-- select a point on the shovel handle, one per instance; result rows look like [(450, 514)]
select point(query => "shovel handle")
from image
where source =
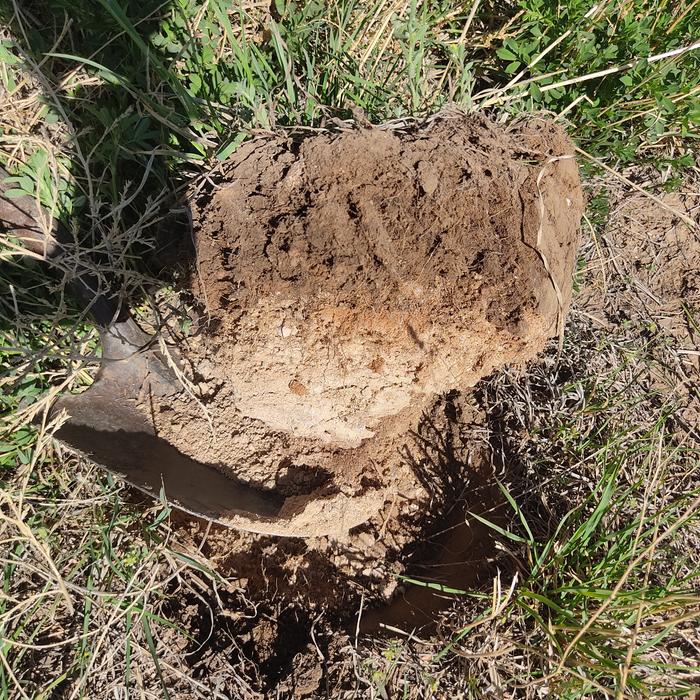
[(20, 217)]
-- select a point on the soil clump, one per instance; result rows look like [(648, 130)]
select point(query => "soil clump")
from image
[(354, 287), (350, 279)]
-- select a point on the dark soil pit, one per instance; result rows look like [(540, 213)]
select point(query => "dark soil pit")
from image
[(355, 285)]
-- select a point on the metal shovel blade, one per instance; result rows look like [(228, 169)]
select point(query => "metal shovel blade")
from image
[(153, 465), (106, 426)]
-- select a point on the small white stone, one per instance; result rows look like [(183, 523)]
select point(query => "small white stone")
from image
[(286, 329)]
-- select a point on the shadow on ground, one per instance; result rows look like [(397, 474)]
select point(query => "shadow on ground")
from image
[(122, 214)]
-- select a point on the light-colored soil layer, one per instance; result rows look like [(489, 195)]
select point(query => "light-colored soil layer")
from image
[(348, 280)]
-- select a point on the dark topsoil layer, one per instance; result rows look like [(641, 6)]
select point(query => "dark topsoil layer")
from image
[(358, 216)]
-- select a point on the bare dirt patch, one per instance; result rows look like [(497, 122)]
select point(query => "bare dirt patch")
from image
[(643, 281), (349, 279)]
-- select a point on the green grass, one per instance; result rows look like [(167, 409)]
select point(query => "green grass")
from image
[(111, 107), (601, 589)]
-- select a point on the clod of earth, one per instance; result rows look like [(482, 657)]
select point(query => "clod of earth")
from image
[(347, 280)]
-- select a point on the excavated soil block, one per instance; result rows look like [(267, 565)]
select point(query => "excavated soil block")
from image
[(350, 278)]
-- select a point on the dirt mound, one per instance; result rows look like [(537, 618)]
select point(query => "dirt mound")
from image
[(350, 278)]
